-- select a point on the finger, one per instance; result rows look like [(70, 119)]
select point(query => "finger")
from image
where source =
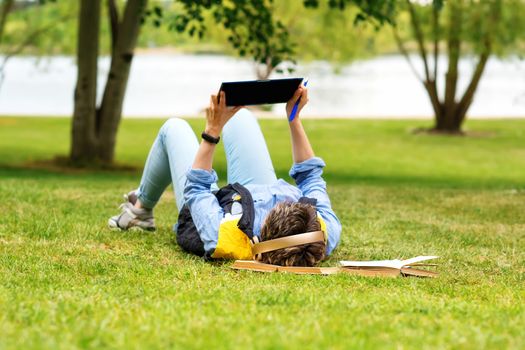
[(303, 103), (214, 99), (295, 96), (223, 99), (304, 97)]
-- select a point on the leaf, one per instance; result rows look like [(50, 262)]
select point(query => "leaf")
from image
[(438, 4), (158, 11)]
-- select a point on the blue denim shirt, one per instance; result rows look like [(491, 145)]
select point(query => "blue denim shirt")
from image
[(207, 213)]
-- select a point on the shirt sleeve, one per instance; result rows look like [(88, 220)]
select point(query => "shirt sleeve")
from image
[(204, 207), (308, 177)]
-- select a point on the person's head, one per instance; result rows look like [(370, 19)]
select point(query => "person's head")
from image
[(287, 219)]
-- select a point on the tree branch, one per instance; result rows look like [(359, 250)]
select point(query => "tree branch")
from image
[(430, 85), (454, 52), (113, 17), (418, 33), (263, 70), (468, 96), (435, 24), (32, 37), (404, 52), (28, 41)]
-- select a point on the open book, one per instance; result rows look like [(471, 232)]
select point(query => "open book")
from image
[(388, 268), (301, 270), (408, 267)]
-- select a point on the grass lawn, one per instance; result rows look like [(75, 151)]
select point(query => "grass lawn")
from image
[(66, 281)]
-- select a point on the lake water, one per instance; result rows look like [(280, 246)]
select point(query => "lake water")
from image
[(179, 85)]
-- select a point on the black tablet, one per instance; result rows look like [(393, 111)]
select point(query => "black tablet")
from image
[(256, 92)]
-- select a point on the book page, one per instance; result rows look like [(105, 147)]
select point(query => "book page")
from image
[(410, 271), (396, 264), (418, 259), (254, 266), (309, 270), (372, 271)]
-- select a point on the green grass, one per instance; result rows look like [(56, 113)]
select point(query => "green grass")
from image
[(68, 282)]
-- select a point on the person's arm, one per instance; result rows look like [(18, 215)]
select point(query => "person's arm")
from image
[(301, 148), (217, 115), (204, 207), (307, 171), (308, 177)]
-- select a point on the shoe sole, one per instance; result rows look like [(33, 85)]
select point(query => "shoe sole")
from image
[(113, 226)]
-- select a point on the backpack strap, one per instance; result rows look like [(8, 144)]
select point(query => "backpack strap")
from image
[(225, 198), (248, 210)]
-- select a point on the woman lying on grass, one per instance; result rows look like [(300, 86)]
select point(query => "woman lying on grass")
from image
[(255, 206)]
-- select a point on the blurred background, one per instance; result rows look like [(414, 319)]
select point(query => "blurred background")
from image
[(97, 61)]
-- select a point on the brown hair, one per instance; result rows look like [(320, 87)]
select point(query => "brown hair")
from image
[(287, 219)]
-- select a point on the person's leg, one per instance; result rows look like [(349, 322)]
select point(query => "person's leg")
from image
[(171, 156), (247, 155)]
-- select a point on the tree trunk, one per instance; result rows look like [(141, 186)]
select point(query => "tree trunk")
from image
[(446, 122), (454, 52), (449, 112), (468, 96), (431, 88), (84, 141), (94, 130), (109, 114), (263, 70)]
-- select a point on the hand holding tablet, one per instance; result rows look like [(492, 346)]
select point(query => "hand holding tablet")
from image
[(300, 98), (256, 92)]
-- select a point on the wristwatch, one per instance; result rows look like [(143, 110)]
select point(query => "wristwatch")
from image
[(210, 139)]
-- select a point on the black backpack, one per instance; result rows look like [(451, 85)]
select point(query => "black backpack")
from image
[(188, 237)]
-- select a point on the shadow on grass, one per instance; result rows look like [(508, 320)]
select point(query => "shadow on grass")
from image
[(423, 181), (39, 172)]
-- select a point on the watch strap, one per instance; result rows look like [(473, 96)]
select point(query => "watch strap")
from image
[(210, 139)]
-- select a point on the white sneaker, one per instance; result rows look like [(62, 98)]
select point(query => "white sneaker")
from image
[(131, 217)]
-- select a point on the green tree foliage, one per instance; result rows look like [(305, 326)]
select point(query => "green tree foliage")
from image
[(323, 33), (249, 26), (28, 24), (40, 27), (275, 31), (375, 11)]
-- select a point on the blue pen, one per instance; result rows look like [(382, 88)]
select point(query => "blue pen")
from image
[(296, 105)]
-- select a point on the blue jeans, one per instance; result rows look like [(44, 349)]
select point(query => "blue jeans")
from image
[(176, 145)]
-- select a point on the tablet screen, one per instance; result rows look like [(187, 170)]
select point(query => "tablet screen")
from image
[(256, 92)]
